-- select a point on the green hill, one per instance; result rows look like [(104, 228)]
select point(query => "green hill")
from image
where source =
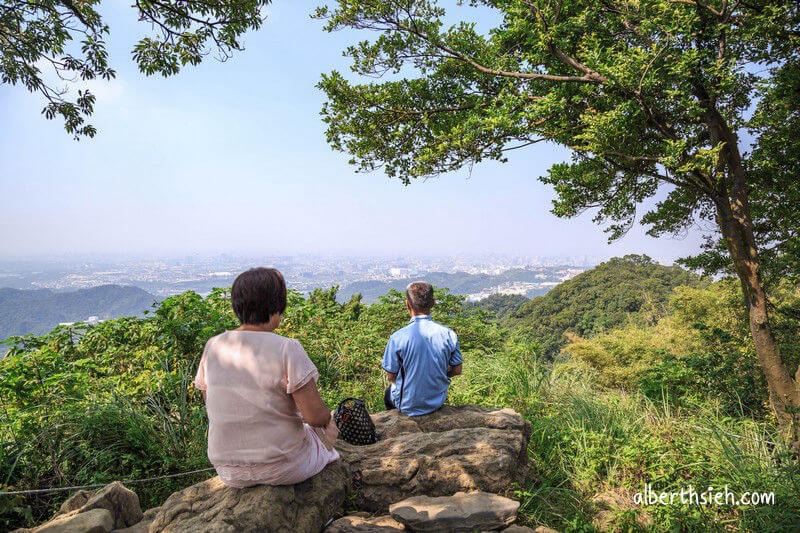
[(501, 305), (629, 289), (39, 311)]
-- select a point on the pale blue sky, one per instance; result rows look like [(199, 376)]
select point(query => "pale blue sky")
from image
[(231, 158)]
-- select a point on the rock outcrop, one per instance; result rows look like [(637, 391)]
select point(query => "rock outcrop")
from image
[(91, 521), (365, 523), (110, 508), (454, 449), (214, 506), (462, 512), (123, 504)]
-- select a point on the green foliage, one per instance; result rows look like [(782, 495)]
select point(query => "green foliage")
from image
[(90, 404), (587, 445), (36, 35), (500, 305), (114, 401), (346, 341), (621, 290), (700, 351), (776, 126)]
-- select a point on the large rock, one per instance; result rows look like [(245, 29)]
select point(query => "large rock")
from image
[(462, 512), (144, 525), (112, 507), (364, 523), (76, 501), (214, 506), (120, 501), (92, 521), (454, 449)]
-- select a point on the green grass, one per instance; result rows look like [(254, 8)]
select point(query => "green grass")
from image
[(588, 441)]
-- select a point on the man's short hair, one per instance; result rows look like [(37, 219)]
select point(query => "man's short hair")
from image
[(258, 294), (419, 295)]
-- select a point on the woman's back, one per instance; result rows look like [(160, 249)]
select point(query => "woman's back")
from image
[(261, 393), (249, 377)]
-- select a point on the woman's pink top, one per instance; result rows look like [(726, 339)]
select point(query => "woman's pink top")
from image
[(256, 434)]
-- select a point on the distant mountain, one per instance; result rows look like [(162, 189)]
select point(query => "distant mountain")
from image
[(39, 311), (457, 282)]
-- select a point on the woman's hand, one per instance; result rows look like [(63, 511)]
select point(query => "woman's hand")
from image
[(331, 431)]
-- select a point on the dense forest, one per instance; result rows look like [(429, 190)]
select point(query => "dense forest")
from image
[(655, 382), (39, 311), (499, 305)]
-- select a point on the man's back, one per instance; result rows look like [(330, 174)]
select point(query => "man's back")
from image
[(421, 354)]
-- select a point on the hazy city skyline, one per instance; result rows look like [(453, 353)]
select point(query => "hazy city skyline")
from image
[(231, 158)]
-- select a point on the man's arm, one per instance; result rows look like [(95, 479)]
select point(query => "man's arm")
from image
[(455, 361), (453, 371), (390, 361)]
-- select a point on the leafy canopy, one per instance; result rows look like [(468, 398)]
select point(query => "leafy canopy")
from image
[(646, 94), (64, 40)]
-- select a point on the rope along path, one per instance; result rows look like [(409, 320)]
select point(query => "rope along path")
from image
[(96, 486)]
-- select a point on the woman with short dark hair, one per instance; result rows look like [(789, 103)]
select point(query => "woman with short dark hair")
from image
[(267, 421)]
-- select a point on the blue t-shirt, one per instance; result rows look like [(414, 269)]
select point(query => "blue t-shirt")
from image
[(425, 349)]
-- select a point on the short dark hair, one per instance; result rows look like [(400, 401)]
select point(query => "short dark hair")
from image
[(258, 294), (419, 295)]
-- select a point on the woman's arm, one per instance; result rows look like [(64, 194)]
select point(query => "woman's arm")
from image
[(312, 408)]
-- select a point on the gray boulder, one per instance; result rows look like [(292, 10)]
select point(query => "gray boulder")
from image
[(462, 512), (76, 501), (454, 449), (112, 507), (524, 529), (121, 502), (92, 521), (365, 523), (144, 525), (213, 506)]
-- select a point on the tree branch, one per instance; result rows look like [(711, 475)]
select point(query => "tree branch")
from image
[(77, 12), (588, 78)]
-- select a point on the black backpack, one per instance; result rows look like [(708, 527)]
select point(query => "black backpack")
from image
[(355, 425)]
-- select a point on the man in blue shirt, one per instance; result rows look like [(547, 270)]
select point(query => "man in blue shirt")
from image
[(420, 358)]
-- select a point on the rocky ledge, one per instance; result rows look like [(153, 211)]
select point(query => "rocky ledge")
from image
[(468, 455), (454, 449)]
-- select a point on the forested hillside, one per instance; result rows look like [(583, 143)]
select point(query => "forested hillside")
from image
[(39, 311), (631, 289), (500, 305), (674, 402)]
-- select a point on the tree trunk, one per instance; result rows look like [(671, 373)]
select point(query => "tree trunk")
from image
[(736, 223), (784, 395)]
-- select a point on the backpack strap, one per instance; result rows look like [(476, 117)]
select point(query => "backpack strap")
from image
[(402, 382)]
